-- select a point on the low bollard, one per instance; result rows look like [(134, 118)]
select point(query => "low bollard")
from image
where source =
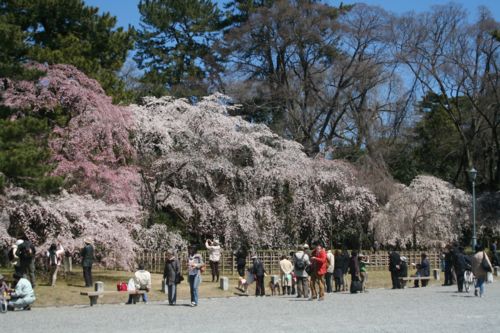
[(98, 286), (224, 283), (437, 274)]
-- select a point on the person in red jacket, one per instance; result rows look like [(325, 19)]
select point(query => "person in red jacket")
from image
[(318, 271)]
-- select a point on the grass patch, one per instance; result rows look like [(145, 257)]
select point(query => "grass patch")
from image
[(67, 291)]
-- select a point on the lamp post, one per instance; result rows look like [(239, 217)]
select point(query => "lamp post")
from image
[(472, 175)]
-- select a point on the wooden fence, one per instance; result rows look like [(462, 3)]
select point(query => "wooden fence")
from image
[(155, 262)]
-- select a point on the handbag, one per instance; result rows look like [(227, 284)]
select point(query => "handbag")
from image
[(178, 278), (485, 264)]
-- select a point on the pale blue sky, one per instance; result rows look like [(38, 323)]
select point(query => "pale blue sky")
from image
[(127, 13)]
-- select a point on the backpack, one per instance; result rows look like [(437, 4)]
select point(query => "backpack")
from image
[(300, 263), (27, 251)]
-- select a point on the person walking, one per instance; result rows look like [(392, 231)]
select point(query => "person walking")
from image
[(214, 253), (494, 255), (259, 273), (286, 269), (87, 255), (195, 265), (481, 266), (171, 276), (26, 252), (54, 256), (300, 263), (330, 267), (318, 271), (459, 265), (394, 261)]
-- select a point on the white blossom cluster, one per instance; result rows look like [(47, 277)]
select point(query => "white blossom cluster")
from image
[(428, 213), (239, 181)]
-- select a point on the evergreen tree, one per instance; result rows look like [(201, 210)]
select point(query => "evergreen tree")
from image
[(65, 31), (174, 46)]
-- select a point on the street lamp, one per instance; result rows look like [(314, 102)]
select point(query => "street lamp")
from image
[(472, 176)]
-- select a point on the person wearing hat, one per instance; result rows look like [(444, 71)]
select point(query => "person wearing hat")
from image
[(214, 252), (171, 276), (87, 255), (23, 295), (259, 273)]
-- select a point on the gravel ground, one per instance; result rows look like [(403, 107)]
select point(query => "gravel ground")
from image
[(432, 309)]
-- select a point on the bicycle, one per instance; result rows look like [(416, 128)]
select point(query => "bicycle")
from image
[(469, 280)]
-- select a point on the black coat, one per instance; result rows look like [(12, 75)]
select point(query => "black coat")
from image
[(26, 252), (87, 255), (258, 268), (459, 261), (394, 261), (172, 268), (403, 269)]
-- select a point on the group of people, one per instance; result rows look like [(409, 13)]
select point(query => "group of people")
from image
[(454, 264), (308, 274)]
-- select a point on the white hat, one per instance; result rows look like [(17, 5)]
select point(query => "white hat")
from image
[(19, 242), (306, 246), (403, 258)]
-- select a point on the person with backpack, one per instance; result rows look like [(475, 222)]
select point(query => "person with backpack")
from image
[(26, 253), (54, 255), (259, 274), (300, 264), (172, 277), (87, 255)]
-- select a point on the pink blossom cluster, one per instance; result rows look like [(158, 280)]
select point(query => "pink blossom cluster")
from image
[(70, 218), (93, 150), (428, 213)]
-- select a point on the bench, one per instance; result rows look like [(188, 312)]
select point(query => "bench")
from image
[(93, 295), (413, 278)]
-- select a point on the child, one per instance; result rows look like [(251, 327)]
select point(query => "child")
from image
[(4, 290)]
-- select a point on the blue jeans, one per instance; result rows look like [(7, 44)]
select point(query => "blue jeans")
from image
[(194, 283), (172, 293), (480, 285)]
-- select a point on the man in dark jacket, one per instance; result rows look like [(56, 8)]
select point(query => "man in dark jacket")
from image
[(259, 272), (354, 270), (87, 255), (26, 253), (459, 264), (448, 276), (394, 261), (172, 277)]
